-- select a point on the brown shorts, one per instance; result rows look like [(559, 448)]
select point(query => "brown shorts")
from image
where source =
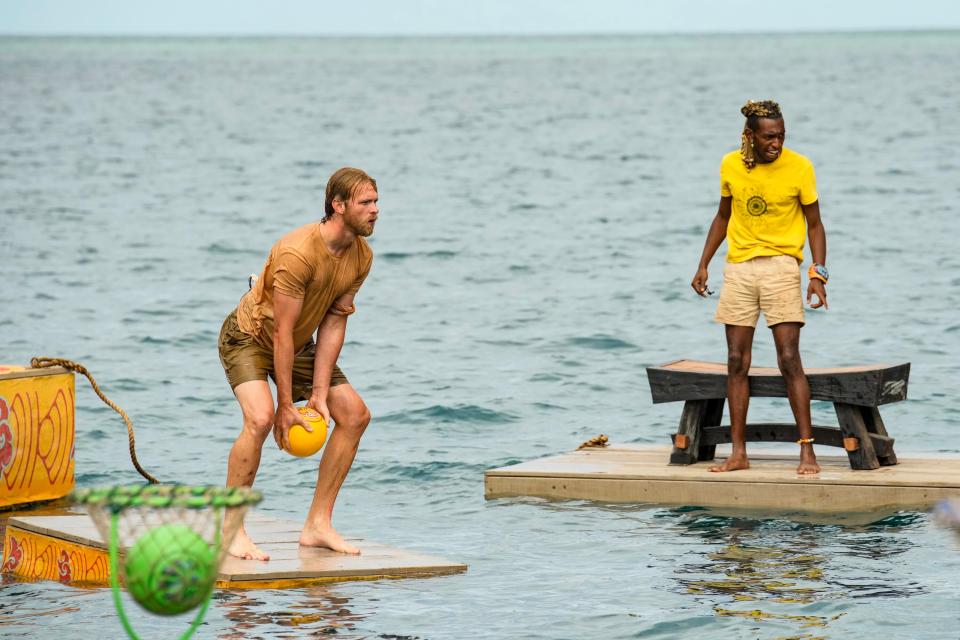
[(244, 359), (768, 283)]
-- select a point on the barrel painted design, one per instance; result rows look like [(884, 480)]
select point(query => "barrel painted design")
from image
[(31, 556), (37, 436)]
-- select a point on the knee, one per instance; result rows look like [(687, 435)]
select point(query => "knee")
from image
[(258, 423), (356, 421), (738, 363), (789, 362)]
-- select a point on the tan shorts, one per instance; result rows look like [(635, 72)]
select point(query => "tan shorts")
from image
[(769, 283), (244, 359)]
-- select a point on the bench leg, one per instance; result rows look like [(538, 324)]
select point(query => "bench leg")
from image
[(874, 423), (696, 415), (852, 425)]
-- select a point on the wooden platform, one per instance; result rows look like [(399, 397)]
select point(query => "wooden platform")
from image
[(68, 548), (640, 473)]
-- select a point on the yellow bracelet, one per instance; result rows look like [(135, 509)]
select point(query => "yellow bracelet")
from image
[(805, 441)]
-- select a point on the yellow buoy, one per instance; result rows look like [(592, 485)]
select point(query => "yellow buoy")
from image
[(305, 443)]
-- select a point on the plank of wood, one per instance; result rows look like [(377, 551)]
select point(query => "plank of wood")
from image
[(787, 432), (863, 386), (33, 373), (289, 564)]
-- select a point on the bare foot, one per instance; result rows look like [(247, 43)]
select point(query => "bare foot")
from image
[(733, 463), (313, 536), (808, 464), (243, 548)]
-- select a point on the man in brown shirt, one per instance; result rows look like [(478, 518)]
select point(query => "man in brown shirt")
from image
[(307, 285)]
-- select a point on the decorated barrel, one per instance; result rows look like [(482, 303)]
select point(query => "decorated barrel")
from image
[(37, 434)]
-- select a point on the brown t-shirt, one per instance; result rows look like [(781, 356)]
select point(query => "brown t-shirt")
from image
[(301, 266)]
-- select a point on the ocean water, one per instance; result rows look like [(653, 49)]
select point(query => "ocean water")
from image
[(543, 206)]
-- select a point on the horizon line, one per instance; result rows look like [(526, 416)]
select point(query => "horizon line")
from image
[(478, 35)]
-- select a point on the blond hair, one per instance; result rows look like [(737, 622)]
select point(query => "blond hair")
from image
[(344, 185)]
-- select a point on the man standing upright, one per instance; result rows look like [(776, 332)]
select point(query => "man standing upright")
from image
[(768, 203), (307, 286)]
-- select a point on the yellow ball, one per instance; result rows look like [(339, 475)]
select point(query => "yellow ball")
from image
[(305, 443)]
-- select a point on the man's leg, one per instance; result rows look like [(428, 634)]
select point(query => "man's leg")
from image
[(256, 402), (739, 352), (351, 417), (786, 336)]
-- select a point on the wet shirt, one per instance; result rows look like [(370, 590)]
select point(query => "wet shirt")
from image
[(766, 217), (301, 266)]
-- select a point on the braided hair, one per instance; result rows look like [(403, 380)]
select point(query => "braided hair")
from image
[(754, 111)]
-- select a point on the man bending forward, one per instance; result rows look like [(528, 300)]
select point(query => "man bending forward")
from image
[(307, 286)]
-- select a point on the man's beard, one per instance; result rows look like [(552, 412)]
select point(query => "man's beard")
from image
[(362, 230)]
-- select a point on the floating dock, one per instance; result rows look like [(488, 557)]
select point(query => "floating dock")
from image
[(68, 549), (641, 474)]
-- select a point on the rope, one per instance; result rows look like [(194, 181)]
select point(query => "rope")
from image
[(40, 363), (599, 441)]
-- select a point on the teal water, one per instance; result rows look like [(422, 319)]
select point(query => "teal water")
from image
[(544, 203)]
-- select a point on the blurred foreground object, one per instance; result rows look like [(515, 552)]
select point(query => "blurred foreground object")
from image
[(173, 539)]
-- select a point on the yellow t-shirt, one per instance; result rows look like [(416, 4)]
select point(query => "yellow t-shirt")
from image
[(766, 218), (301, 266)]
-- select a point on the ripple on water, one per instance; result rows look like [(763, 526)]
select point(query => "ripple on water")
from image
[(601, 341), (220, 248), (397, 256), (462, 413)]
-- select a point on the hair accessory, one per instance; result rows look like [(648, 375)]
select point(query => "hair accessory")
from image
[(819, 272), (805, 441), (747, 152)]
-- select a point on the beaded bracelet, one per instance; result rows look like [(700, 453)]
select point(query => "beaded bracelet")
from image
[(819, 272), (805, 440)]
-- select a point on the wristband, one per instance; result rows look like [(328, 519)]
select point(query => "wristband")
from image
[(819, 272), (805, 441)]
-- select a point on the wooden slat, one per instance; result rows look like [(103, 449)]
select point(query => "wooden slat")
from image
[(863, 386), (787, 432), (33, 373)]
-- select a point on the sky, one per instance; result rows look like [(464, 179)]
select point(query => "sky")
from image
[(465, 17)]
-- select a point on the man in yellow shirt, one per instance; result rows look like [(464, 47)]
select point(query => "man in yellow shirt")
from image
[(768, 203), (307, 286)]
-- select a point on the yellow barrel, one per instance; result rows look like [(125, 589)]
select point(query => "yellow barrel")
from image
[(37, 430)]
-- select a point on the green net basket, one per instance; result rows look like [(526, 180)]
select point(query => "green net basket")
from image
[(166, 541)]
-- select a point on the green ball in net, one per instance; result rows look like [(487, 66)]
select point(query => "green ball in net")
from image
[(170, 569)]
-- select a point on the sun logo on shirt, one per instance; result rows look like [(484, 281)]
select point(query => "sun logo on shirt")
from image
[(756, 205)]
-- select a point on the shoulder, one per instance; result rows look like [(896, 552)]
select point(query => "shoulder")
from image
[(732, 158), (298, 243), (364, 251), (797, 159), (300, 238)]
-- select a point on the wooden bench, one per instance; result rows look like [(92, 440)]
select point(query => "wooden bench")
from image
[(855, 392)]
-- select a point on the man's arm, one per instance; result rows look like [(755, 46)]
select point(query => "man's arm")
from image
[(330, 336), (715, 237), (286, 310), (818, 247)]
